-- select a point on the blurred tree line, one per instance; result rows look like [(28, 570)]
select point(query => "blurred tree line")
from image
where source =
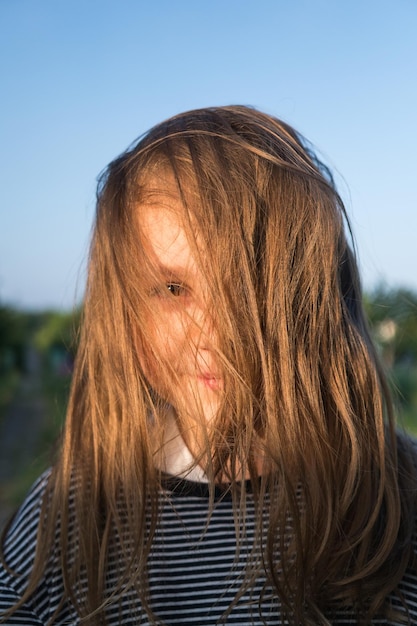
[(392, 314), (14, 329), (48, 332), (52, 334)]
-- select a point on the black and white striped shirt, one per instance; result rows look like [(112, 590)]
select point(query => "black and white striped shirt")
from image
[(193, 571)]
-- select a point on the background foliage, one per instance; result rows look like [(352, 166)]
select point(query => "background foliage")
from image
[(392, 314)]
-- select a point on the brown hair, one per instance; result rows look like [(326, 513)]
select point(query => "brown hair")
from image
[(303, 379)]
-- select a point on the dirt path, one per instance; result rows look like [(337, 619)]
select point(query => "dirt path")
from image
[(20, 432)]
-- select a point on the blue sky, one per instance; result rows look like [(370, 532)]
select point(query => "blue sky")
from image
[(81, 79)]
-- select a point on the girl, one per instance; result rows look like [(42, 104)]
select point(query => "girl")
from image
[(229, 455)]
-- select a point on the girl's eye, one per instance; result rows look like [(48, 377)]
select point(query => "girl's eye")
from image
[(176, 289), (170, 289)]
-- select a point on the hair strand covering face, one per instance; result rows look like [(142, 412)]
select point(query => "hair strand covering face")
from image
[(303, 387)]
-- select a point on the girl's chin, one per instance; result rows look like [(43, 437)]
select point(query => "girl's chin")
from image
[(195, 400), (205, 410)]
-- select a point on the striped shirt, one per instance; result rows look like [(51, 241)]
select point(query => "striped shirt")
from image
[(194, 574)]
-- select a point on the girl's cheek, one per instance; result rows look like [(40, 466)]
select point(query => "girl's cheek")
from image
[(171, 334), (163, 347), (155, 373)]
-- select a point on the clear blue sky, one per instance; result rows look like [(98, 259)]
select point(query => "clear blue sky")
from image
[(80, 79)]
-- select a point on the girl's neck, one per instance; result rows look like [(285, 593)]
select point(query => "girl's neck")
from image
[(176, 459)]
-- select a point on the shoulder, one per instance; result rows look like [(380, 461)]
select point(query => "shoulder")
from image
[(407, 540), (19, 540), (18, 553)]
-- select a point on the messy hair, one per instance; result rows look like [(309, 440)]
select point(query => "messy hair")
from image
[(302, 378)]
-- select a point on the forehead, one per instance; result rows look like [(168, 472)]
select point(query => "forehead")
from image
[(161, 225), (162, 233)]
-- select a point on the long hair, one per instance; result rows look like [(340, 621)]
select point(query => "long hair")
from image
[(302, 377)]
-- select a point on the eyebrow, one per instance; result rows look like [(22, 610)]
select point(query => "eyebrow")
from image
[(174, 271)]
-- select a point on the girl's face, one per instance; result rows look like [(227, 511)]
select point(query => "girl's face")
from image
[(180, 334)]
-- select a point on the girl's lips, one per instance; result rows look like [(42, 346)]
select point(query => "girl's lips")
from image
[(210, 381)]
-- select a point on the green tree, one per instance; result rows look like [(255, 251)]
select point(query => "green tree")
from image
[(56, 337), (393, 317), (14, 326)]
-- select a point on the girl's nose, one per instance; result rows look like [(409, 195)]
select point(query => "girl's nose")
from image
[(202, 328)]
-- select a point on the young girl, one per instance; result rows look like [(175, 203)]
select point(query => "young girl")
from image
[(230, 454)]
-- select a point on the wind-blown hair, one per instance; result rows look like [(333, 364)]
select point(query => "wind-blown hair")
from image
[(302, 378)]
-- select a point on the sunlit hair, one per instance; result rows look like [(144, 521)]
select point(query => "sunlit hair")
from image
[(302, 382)]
